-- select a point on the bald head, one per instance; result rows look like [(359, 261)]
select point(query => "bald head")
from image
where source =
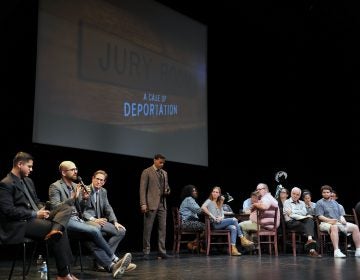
[(295, 193), (66, 165)]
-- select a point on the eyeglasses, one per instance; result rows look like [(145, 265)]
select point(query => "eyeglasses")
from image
[(259, 189), (72, 169)]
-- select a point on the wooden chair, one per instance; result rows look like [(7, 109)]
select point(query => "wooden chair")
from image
[(356, 218), (179, 232), (266, 227), (210, 233), (325, 240), (289, 236)]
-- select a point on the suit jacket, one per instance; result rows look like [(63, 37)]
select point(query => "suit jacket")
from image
[(59, 194), (106, 211), (15, 208), (150, 188)]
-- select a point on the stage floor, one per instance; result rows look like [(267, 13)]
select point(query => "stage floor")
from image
[(217, 266)]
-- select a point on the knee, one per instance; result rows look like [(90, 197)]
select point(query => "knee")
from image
[(232, 227), (94, 231)]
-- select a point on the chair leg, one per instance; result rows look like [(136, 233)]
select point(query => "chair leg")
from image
[(32, 258), (229, 244), (293, 242), (80, 257), (24, 260), (14, 262)]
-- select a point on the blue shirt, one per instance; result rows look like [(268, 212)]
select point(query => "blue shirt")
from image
[(189, 209)]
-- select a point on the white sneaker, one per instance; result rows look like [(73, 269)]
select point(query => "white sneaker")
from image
[(339, 254), (130, 267), (357, 253), (119, 268)]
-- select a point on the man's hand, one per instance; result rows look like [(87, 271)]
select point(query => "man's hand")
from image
[(101, 221), (42, 214), (143, 208), (119, 226)]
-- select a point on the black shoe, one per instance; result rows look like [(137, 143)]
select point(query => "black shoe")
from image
[(146, 257), (164, 256)]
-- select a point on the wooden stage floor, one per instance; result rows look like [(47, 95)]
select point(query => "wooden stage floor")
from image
[(218, 266)]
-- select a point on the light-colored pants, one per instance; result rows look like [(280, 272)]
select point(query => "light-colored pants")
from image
[(346, 229)]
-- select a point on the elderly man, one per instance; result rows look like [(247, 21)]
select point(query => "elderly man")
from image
[(297, 219)]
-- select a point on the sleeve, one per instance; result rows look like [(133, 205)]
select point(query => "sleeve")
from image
[(144, 180), (108, 210), (7, 205)]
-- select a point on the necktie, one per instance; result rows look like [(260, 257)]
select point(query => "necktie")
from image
[(161, 179), (96, 198), (27, 193)]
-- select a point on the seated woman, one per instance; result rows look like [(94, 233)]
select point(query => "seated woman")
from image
[(213, 207), (310, 206), (189, 211)]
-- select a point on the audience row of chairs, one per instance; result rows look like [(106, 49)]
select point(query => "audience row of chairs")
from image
[(266, 234)]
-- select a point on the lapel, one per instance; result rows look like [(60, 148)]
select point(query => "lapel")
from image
[(65, 189), (18, 186), (92, 198)]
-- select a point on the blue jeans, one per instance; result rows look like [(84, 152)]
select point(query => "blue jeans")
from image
[(231, 224), (102, 251)]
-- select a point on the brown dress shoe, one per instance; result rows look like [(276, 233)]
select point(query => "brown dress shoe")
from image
[(54, 235)]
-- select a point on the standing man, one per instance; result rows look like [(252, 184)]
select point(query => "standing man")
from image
[(65, 191), (99, 212), (21, 217), (154, 188)]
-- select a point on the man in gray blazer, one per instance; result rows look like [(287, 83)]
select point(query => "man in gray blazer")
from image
[(65, 191), (154, 188), (99, 213)]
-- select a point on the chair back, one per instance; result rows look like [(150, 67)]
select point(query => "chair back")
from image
[(267, 227), (211, 232), (179, 231)]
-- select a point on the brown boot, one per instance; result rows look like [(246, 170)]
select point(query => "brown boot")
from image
[(234, 251), (245, 242)]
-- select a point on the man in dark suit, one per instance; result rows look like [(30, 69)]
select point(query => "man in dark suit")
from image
[(99, 212), (154, 188), (22, 216)]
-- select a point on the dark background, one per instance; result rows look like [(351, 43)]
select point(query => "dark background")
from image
[(282, 84)]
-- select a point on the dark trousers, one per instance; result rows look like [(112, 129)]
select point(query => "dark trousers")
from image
[(38, 228), (305, 226)]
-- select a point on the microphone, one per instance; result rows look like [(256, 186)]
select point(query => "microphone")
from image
[(82, 184)]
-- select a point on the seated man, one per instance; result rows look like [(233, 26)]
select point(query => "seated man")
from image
[(65, 191), (21, 217), (332, 220), (297, 219), (247, 204), (266, 200), (99, 212)]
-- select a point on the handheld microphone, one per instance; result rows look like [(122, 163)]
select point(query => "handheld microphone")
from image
[(82, 184)]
